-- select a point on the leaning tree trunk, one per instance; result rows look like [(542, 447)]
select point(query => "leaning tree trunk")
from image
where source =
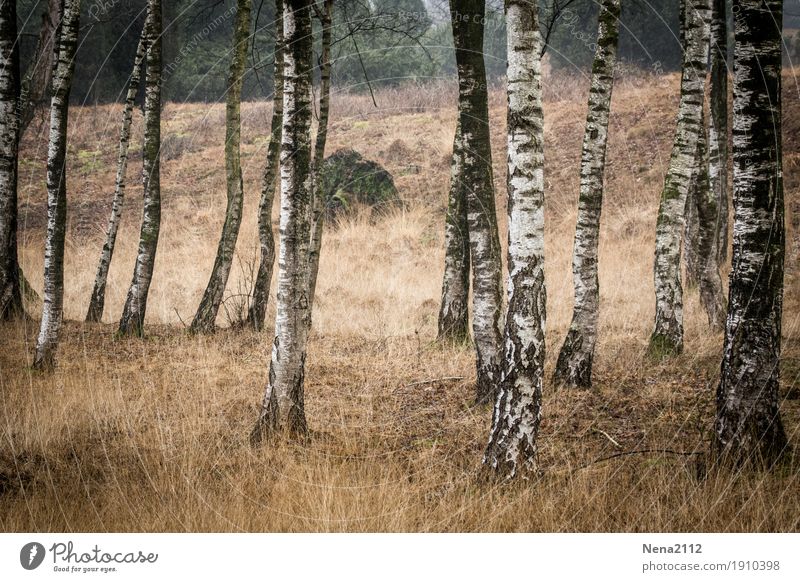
[(37, 77), (467, 20), (707, 213), (691, 229), (748, 427), (454, 308), (667, 336), (283, 406), (574, 365), (718, 122), (517, 412), (53, 300), (318, 200), (206, 316), (132, 321), (258, 302), (10, 288), (98, 299)]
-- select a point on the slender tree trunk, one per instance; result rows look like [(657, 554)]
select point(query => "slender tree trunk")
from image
[(64, 65), (283, 406), (37, 77), (98, 299), (467, 20), (10, 287), (454, 308), (206, 316), (318, 201), (718, 122), (258, 303), (667, 337), (517, 412), (574, 366), (705, 202), (132, 321), (748, 427)]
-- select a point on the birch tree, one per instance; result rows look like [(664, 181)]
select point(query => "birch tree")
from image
[(10, 287), (707, 213), (38, 75), (453, 322), (748, 427), (258, 301), (718, 122), (98, 298), (574, 365), (206, 316), (325, 15), (132, 321), (467, 18), (53, 298), (517, 412), (667, 336), (283, 406)]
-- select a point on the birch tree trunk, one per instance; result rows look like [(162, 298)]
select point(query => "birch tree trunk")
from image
[(691, 230), (517, 412), (574, 365), (10, 287), (707, 212), (283, 404), (718, 122), (53, 299), (98, 299), (38, 76), (132, 321), (748, 427), (206, 316), (667, 336), (258, 302), (318, 201), (454, 308), (468, 17)]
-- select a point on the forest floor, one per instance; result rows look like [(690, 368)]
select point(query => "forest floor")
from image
[(152, 435)]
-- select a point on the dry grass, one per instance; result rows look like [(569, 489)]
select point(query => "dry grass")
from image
[(151, 435)]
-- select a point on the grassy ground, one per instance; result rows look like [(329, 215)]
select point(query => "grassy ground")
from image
[(151, 435)]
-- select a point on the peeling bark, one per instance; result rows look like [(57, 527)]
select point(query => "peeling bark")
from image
[(98, 299), (574, 365), (283, 407), (454, 308), (748, 428), (667, 336), (206, 316), (258, 302), (10, 284), (718, 123), (318, 201), (512, 448), (132, 321), (467, 17), (53, 299)]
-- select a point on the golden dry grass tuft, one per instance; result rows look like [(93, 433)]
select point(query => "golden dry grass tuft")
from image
[(151, 435)]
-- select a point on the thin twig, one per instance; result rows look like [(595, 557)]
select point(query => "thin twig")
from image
[(434, 380), (640, 452), (608, 436)]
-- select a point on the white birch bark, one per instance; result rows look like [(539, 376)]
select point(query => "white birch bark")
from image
[(53, 297), (283, 406), (98, 298), (133, 314), (10, 288), (258, 302), (718, 122), (512, 445), (206, 316), (467, 18), (748, 428), (574, 365), (667, 336)]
